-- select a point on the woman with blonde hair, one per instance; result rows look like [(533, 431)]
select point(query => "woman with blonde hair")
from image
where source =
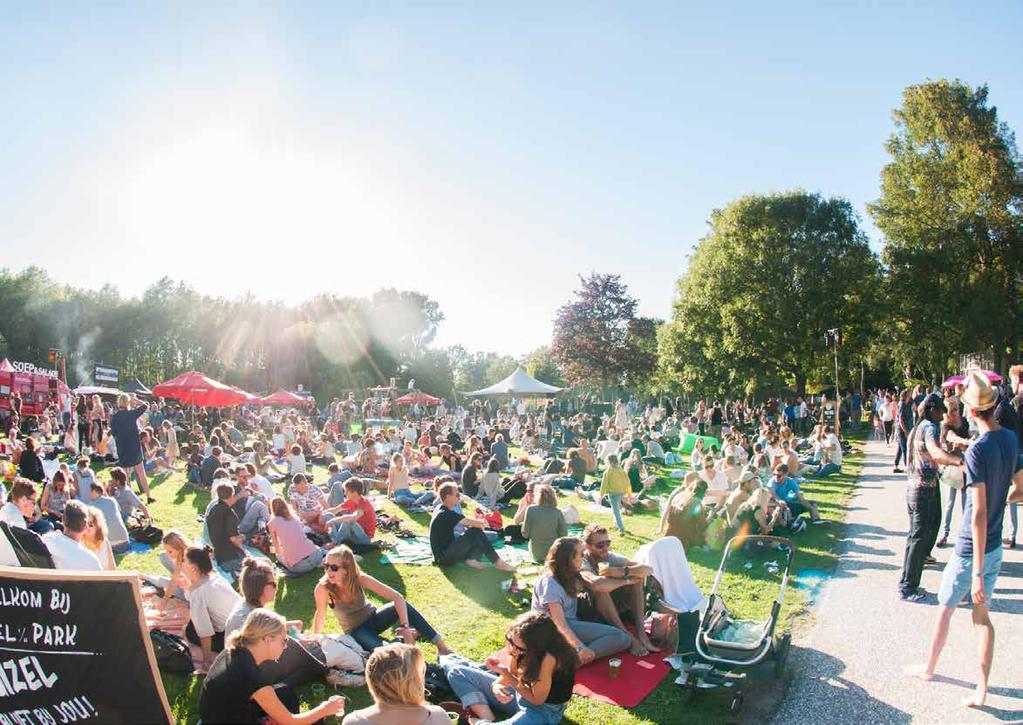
[(396, 675), (343, 589), (233, 691), (96, 540), (170, 442)]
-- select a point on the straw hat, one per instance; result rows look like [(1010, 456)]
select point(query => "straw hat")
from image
[(979, 394), (746, 476)]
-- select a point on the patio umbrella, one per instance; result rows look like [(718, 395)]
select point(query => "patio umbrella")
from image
[(413, 398), (194, 388), (283, 397), (956, 379)]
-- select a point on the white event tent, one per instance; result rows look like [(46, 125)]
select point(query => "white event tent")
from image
[(518, 383)]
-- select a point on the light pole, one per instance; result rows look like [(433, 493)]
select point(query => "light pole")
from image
[(834, 336)]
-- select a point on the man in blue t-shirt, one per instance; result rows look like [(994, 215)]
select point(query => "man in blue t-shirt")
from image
[(993, 475)]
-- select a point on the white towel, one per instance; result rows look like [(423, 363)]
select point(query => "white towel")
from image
[(667, 557)]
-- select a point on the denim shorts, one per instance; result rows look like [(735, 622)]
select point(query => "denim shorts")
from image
[(957, 579)]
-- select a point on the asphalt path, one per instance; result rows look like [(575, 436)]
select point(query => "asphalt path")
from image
[(849, 665)]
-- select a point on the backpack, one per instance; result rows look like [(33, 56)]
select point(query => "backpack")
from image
[(437, 687), (143, 531), (172, 653)]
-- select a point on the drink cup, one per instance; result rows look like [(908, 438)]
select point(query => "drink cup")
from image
[(613, 666), (453, 716)]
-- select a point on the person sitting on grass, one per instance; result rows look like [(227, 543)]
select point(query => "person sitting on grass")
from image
[(222, 526), (618, 589), (684, 516), (396, 677), (747, 484), (543, 522), (296, 554), (119, 490), (302, 661), (529, 682), (469, 546), (356, 520), (716, 480), (397, 485), (343, 587), (757, 515), (786, 491), (210, 602), (117, 532), (234, 690), (556, 593), (309, 503), (66, 545)]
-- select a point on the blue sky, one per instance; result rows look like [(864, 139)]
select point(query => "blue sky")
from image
[(484, 153)]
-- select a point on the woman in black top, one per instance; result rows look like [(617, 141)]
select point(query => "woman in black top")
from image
[(533, 675), (29, 465), (233, 691)]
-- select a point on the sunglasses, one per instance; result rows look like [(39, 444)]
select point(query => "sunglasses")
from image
[(508, 641), (601, 544), (332, 567)]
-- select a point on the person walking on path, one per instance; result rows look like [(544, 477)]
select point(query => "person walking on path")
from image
[(923, 456), (903, 424), (992, 466)]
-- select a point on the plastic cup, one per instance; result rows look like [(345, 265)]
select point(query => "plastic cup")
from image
[(319, 690), (453, 717), (613, 666)]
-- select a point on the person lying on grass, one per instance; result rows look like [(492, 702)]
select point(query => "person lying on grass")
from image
[(556, 593), (530, 681), (469, 546), (343, 587), (615, 587)]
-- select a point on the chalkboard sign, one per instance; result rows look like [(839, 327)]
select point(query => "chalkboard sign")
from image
[(74, 647)]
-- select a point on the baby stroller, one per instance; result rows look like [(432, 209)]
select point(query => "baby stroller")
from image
[(727, 648)]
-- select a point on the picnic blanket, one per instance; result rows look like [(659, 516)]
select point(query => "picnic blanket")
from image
[(417, 552), (637, 678)]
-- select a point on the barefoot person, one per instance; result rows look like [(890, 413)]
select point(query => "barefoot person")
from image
[(992, 465), (618, 590), (449, 548)]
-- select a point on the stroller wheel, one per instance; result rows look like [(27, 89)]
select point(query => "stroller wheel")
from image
[(781, 654), (736, 705)]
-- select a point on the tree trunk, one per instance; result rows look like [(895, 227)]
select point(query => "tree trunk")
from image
[(801, 384)]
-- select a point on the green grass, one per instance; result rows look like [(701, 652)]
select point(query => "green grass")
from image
[(472, 613)]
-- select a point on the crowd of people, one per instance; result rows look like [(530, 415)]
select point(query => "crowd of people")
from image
[(745, 471)]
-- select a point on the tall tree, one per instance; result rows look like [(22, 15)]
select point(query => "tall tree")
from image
[(771, 277), (597, 336), (951, 210), (542, 365)]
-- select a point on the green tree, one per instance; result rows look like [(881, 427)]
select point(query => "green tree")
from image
[(951, 210), (762, 288), (542, 365)]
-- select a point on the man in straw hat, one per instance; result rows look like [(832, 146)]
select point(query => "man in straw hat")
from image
[(993, 474)]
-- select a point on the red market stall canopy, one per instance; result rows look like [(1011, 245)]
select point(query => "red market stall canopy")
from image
[(282, 397), (413, 398), (194, 388), (37, 387)]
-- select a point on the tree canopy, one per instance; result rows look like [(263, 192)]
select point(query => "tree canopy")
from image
[(762, 288)]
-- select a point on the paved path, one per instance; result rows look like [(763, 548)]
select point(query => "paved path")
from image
[(848, 667)]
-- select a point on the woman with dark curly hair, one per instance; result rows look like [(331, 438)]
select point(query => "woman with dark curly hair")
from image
[(529, 682)]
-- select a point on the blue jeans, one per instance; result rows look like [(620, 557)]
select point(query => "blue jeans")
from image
[(616, 509), (827, 469), (350, 532), (306, 565), (367, 634), (472, 686), (409, 497)]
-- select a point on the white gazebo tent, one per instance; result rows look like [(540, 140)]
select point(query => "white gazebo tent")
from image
[(519, 383)]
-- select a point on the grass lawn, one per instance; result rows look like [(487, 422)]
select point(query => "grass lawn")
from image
[(472, 613)]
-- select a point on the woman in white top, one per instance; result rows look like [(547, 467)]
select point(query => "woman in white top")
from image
[(696, 457), (170, 442), (296, 461), (210, 602), (490, 485)]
